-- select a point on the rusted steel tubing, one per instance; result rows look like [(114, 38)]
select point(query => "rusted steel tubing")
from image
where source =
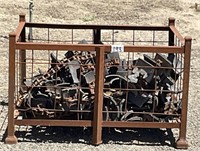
[(80, 123), (60, 47), (182, 143), (21, 26), (19, 30), (139, 124), (22, 54), (98, 103), (11, 138), (97, 36), (171, 22), (44, 122), (158, 49), (178, 35), (174, 32), (113, 27), (91, 47)]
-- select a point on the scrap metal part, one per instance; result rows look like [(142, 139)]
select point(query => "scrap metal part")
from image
[(131, 88)]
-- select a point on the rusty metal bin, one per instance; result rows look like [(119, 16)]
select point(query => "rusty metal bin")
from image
[(98, 76)]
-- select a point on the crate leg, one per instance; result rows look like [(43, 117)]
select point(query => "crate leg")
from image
[(182, 143), (98, 104), (11, 138)]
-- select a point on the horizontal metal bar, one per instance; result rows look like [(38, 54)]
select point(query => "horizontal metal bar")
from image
[(139, 124), (178, 35), (156, 49), (90, 41), (47, 46), (112, 27), (45, 122), (80, 123), (91, 47)]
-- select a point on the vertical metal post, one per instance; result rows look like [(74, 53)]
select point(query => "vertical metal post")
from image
[(182, 143), (11, 138), (171, 34), (22, 17), (97, 36), (171, 37), (30, 35), (22, 53), (98, 104)]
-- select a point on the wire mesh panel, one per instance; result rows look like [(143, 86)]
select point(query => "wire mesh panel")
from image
[(147, 87), (56, 86)]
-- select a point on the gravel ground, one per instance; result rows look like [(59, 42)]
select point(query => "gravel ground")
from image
[(137, 12)]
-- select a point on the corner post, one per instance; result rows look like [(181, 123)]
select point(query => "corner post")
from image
[(11, 138), (22, 53), (171, 37), (22, 17), (181, 142), (98, 103), (171, 34), (96, 36)]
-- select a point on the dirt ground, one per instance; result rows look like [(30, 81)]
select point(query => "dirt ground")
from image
[(110, 12)]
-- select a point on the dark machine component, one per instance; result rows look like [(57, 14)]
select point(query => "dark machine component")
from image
[(67, 88)]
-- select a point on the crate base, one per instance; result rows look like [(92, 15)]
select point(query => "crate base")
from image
[(11, 140), (181, 144)]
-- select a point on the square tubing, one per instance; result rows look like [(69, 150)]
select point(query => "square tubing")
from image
[(11, 138), (181, 142), (96, 36), (171, 34), (98, 103), (22, 53)]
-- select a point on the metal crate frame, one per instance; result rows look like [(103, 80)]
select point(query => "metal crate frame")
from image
[(17, 41)]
